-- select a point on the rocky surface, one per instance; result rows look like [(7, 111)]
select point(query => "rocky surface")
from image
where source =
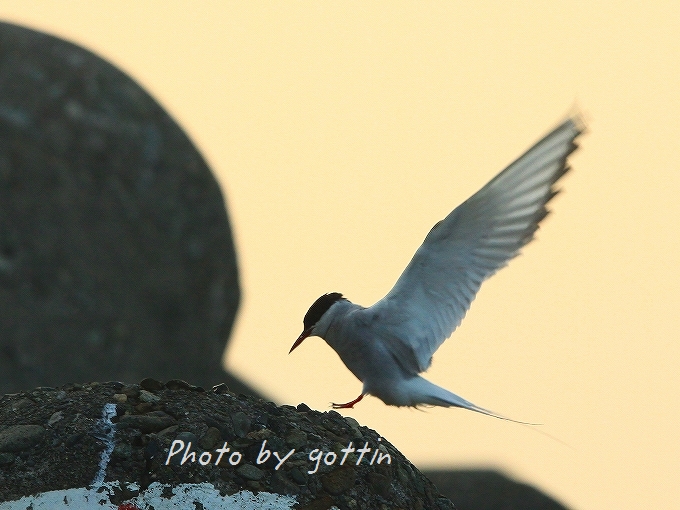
[(116, 255), (55, 438)]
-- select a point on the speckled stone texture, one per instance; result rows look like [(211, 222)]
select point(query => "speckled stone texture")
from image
[(116, 255), (59, 443)]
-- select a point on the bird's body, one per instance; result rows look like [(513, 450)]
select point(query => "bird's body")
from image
[(387, 345)]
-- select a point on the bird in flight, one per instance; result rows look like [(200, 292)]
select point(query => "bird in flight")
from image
[(387, 345)]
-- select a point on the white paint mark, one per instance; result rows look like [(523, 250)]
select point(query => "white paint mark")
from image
[(105, 431), (183, 496), (69, 498)]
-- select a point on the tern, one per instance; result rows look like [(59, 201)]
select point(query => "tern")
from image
[(387, 345)]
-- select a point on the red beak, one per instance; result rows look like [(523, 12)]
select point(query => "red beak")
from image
[(304, 335)]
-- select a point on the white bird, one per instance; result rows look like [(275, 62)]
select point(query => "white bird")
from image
[(388, 344)]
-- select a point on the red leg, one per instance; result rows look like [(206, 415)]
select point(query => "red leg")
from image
[(348, 405)]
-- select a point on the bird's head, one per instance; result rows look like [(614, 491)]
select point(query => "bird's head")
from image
[(315, 314)]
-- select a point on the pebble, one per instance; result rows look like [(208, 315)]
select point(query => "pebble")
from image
[(147, 422), (210, 439), (132, 391), (168, 431), (187, 437), (380, 484), (20, 437), (55, 418), (22, 404), (143, 408), (150, 384), (250, 472), (354, 427), (241, 423), (179, 384), (147, 396), (339, 480), (296, 438)]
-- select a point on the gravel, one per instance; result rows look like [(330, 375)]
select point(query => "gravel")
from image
[(54, 438)]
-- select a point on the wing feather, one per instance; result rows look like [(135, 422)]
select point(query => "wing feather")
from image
[(475, 240)]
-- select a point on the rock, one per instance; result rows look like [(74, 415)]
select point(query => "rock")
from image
[(259, 458), (22, 403), (116, 254), (487, 489), (281, 484), (210, 439), (55, 418), (187, 437), (354, 426), (339, 480), (148, 397), (20, 437), (179, 384), (296, 439), (325, 502), (150, 384), (379, 483), (250, 472), (146, 422), (241, 423)]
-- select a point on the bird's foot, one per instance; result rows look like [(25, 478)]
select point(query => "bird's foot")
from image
[(348, 405)]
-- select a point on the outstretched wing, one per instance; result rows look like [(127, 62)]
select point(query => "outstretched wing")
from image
[(475, 240)]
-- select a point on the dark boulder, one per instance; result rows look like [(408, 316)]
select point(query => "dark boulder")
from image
[(125, 445), (116, 255), (489, 490)]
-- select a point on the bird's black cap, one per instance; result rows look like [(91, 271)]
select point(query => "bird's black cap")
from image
[(320, 307)]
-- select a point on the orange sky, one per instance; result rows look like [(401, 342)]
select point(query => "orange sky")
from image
[(341, 132)]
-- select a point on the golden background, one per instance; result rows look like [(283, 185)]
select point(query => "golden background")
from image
[(342, 131)]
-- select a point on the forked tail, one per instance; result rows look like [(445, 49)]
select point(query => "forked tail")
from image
[(431, 394)]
